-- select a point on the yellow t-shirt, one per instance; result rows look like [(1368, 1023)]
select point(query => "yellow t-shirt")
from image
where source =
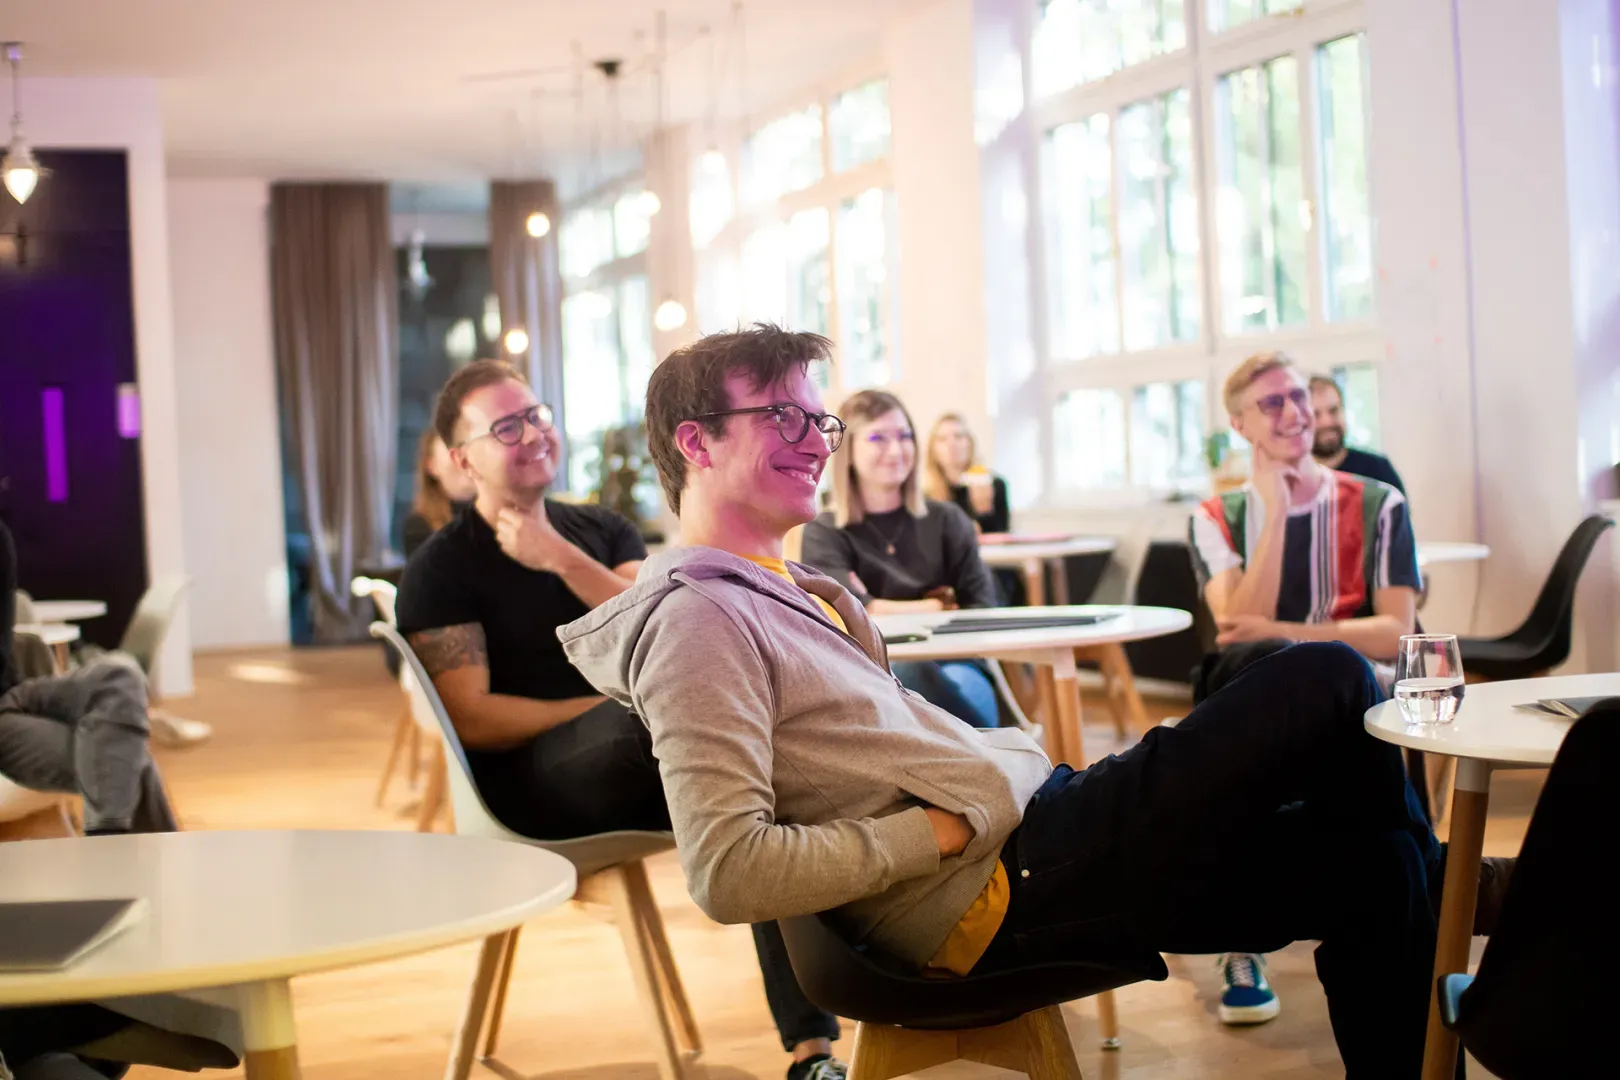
[(972, 935), (779, 568)]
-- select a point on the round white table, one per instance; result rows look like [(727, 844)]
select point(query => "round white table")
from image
[(1436, 552), (1488, 733), (62, 611), (1032, 556), (1051, 649), (57, 635), (251, 910)]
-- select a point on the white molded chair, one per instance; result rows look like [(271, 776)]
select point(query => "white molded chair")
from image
[(415, 722), (611, 871)]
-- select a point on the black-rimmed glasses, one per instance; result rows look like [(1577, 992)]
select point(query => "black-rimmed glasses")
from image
[(792, 422), (508, 430)]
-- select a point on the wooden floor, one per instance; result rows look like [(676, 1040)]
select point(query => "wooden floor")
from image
[(300, 741)]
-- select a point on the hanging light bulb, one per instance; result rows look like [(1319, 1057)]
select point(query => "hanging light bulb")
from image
[(538, 224), (648, 203), (20, 170), (712, 161), (671, 315), (517, 341)]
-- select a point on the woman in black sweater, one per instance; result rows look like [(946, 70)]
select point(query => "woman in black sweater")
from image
[(897, 551)]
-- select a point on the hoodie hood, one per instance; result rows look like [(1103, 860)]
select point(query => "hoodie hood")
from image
[(602, 643)]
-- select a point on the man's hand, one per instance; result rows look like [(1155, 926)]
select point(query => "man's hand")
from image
[(530, 539), (1237, 629), (951, 831), (1275, 482)]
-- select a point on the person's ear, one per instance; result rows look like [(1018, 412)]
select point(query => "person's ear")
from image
[(692, 441), (459, 459)]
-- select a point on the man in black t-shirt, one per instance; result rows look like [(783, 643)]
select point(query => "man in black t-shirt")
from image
[(1327, 412), (481, 602)]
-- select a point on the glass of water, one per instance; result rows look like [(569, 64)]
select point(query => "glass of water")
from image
[(1429, 678)]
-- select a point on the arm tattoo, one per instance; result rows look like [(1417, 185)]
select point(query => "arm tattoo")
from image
[(451, 647)]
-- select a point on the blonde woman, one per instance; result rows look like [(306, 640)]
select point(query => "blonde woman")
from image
[(899, 551), (441, 490), (953, 474)]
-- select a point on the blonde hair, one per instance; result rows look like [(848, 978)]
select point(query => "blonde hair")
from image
[(858, 411), (936, 485), (1245, 374), (432, 502)]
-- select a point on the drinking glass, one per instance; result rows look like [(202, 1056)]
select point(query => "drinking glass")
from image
[(1429, 678)]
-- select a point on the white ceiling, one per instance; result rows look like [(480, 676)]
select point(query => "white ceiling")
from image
[(403, 89)]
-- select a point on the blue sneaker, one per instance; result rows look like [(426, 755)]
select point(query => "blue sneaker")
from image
[(1247, 997)]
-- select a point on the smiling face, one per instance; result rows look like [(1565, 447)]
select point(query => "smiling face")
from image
[(1276, 415), (503, 474), (952, 447), (751, 472), (884, 452), (1327, 411)]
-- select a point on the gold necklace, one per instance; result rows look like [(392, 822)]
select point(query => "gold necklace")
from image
[(889, 541)]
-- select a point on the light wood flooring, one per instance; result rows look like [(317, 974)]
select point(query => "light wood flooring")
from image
[(300, 741)]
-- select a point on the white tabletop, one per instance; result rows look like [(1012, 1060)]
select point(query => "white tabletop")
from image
[(68, 610), (1434, 552), (238, 907), (1016, 552), (1129, 624), (50, 633), (1488, 727)]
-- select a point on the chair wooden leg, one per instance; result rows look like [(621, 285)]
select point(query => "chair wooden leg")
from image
[(652, 923), (1125, 679), (503, 981), (615, 881), (1108, 1020), (402, 734), (472, 1018), (1036, 1044), (433, 798), (413, 763), (882, 1052)]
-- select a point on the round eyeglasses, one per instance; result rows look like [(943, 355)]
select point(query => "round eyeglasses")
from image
[(508, 430), (792, 422)]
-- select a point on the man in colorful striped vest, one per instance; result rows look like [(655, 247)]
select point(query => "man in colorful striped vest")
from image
[(1299, 553)]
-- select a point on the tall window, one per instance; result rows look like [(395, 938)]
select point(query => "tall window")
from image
[(1203, 178), (809, 239), (606, 324)]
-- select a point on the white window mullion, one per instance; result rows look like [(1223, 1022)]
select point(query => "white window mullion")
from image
[(1310, 190)]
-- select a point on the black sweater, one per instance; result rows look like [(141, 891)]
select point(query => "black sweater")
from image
[(940, 548)]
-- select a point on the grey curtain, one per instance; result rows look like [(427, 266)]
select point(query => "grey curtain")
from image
[(336, 321), (528, 284)]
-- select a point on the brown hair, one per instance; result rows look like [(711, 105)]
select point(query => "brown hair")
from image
[(692, 382), (1244, 375), (935, 483), (431, 502), (1326, 382), (475, 376), (859, 410)]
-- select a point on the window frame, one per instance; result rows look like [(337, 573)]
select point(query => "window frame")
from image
[(828, 193), (1318, 345)]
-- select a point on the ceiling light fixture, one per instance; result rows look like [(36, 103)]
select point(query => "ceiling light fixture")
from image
[(670, 316), (517, 341), (21, 171), (538, 224)]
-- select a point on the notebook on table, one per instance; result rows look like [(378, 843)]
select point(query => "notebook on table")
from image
[(49, 935), (1569, 708), (973, 624)]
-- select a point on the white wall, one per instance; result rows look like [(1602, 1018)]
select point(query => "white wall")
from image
[(124, 114), (219, 258)]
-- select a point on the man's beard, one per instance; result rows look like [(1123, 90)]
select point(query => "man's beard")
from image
[(1329, 441)]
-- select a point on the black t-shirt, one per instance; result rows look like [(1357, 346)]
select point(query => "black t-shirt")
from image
[(1373, 466), (999, 519), (939, 548), (461, 575)]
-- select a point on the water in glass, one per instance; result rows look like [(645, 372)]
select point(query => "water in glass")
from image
[(1429, 682)]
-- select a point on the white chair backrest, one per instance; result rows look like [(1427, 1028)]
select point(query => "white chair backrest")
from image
[(473, 818), (382, 593)]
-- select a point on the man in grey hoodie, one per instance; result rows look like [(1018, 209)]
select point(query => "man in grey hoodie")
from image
[(802, 778)]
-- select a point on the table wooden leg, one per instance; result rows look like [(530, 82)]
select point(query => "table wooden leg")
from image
[(1051, 722), (1034, 582), (465, 1045), (269, 1035), (1066, 688), (60, 653), (1461, 891), (1060, 581)]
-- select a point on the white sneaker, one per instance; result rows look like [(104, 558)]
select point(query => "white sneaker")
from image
[(171, 731), (1247, 997)]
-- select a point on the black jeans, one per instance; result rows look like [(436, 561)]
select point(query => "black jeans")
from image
[(1267, 816), (597, 774)]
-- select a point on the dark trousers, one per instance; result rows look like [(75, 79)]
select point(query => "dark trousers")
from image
[(960, 687), (86, 732), (597, 774), (1267, 816)]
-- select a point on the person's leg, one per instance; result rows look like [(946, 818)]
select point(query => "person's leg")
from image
[(1268, 815), (804, 1028), (960, 687)]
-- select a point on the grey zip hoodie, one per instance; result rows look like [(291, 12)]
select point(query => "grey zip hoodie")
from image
[(795, 766)]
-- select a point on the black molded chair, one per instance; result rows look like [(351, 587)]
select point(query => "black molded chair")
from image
[(1546, 994), (1542, 641), (906, 1023)]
